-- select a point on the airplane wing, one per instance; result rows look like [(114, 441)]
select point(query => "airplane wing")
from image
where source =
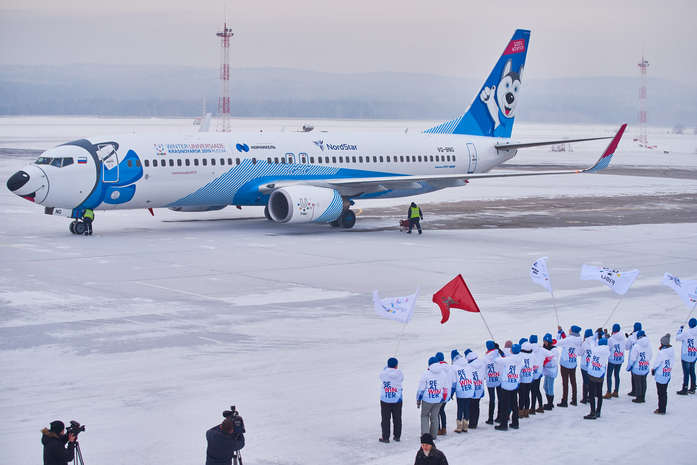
[(356, 186), (525, 145)]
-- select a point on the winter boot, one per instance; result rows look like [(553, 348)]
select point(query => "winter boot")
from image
[(692, 390), (638, 400), (442, 432), (384, 440), (550, 403), (459, 426), (573, 402), (540, 409), (501, 427), (608, 395), (465, 426), (615, 394), (590, 416), (658, 412), (489, 421), (563, 403), (683, 391), (531, 411)]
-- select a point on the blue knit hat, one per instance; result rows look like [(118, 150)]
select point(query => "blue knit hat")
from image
[(548, 338), (515, 348), (637, 326), (533, 339), (640, 334), (490, 345), (576, 330), (467, 352), (588, 333), (454, 353), (440, 357), (692, 323), (432, 360), (602, 341), (392, 362), (522, 340), (616, 328)]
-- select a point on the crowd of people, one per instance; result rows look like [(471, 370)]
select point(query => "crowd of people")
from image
[(515, 376)]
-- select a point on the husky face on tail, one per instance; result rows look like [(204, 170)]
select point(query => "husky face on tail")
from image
[(506, 94)]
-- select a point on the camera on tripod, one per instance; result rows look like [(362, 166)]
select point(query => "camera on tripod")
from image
[(75, 428), (231, 413)]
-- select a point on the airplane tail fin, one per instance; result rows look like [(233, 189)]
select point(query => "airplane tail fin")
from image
[(493, 110)]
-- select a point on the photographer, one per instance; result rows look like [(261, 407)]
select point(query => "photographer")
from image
[(54, 440), (225, 440)]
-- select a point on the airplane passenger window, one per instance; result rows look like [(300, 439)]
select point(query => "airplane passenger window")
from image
[(375, 159), (163, 163), (212, 161), (290, 159), (453, 157), (222, 161), (275, 160), (254, 161), (448, 157), (401, 158), (381, 160), (333, 159), (268, 160), (137, 163), (147, 163), (237, 161), (187, 162), (388, 159), (419, 157), (437, 157), (130, 163), (204, 161), (431, 157), (341, 159), (326, 159), (171, 162), (154, 163), (283, 160), (303, 159), (67, 161), (229, 161), (195, 161), (312, 160), (179, 162), (353, 159), (360, 159)]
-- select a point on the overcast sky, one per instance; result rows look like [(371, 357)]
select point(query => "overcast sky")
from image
[(457, 38)]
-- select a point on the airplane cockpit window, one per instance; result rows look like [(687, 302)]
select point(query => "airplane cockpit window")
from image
[(67, 161), (58, 162)]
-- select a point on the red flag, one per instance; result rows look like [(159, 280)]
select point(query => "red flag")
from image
[(455, 295)]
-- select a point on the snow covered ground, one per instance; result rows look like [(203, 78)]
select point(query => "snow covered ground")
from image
[(146, 331)]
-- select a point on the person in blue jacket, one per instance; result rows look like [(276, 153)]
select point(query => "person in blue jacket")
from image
[(616, 344), (661, 370), (638, 364), (688, 355), (509, 367)]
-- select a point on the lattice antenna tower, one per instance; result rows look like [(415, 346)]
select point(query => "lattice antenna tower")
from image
[(643, 139), (225, 35)]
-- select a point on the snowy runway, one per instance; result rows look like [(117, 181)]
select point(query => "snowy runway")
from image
[(146, 331)]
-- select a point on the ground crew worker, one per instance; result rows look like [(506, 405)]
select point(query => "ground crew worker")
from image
[(88, 218), (414, 214)]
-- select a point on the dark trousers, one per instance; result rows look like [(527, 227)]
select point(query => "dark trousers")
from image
[(584, 375), (88, 223), (391, 410), (568, 375), (441, 415), (509, 401), (524, 396), (473, 412), (595, 394), (688, 374), (613, 370), (662, 390), (463, 411), (493, 394), (414, 221), (535, 394), (639, 386)]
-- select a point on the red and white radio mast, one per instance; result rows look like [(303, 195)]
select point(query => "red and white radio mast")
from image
[(643, 140), (224, 99)]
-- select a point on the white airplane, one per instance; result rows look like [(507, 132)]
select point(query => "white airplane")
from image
[(298, 177)]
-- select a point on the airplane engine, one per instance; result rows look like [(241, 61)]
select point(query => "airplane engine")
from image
[(305, 204)]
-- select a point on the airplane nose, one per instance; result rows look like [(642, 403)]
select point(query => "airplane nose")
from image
[(17, 180)]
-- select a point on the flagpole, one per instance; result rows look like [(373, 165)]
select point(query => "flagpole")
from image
[(613, 310), (485, 324), (556, 312), (399, 338)]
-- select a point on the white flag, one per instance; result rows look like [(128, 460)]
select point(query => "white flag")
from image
[(395, 308), (687, 290), (539, 274), (618, 281)]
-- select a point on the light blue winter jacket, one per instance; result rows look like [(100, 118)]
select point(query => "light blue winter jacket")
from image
[(640, 360), (688, 336), (663, 365), (391, 380)]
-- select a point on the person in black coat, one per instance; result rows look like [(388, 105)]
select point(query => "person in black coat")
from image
[(223, 441), (428, 454), (54, 440)]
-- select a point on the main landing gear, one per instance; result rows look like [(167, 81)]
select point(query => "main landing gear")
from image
[(79, 227), (347, 220)]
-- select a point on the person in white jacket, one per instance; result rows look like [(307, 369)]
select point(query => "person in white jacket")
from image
[(638, 364), (616, 345), (688, 355), (535, 393), (570, 348), (434, 389), (661, 370), (509, 367), (479, 374), (596, 375), (391, 379), (463, 388), (586, 350), (550, 364), (631, 340), (493, 380)]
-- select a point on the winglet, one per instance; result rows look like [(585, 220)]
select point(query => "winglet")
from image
[(604, 161)]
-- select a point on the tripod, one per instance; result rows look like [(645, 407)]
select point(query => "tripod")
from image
[(237, 458), (78, 455)]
